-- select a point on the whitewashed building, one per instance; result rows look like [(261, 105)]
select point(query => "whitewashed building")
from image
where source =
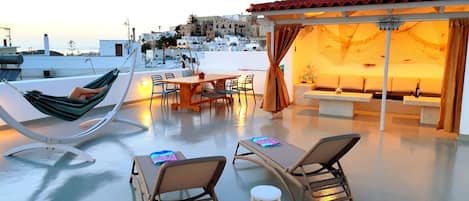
[(117, 48)]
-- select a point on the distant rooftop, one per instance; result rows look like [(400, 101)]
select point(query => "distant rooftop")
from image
[(41, 52), (8, 49)]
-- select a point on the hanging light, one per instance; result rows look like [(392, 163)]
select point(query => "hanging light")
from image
[(389, 23)]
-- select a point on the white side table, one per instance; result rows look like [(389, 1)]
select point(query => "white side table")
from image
[(334, 104), (298, 91), (430, 108), (265, 193)]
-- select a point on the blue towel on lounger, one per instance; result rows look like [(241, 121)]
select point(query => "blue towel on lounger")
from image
[(265, 141), (160, 157)]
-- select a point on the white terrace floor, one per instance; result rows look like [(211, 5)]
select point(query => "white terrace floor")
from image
[(407, 162)]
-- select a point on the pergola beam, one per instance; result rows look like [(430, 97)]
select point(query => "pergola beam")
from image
[(344, 14), (440, 3), (389, 11), (441, 10), (374, 19), (347, 13)]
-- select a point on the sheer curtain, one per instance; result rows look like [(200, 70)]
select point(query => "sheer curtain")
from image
[(453, 82), (275, 91)]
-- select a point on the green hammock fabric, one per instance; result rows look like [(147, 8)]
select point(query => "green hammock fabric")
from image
[(69, 109)]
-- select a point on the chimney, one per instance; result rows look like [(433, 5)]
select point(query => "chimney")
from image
[(46, 45), (133, 33), (5, 42)]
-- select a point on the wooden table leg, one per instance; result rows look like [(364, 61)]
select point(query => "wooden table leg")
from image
[(186, 93)]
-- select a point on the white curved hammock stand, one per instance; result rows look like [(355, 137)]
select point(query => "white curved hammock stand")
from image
[(63, 143)]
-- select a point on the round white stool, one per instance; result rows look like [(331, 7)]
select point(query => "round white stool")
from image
[(265, 193)]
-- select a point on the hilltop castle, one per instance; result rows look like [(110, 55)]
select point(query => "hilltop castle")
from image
[(213, 26)]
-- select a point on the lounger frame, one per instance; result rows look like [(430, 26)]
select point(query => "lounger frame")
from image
[(306, 169), (149, 180)]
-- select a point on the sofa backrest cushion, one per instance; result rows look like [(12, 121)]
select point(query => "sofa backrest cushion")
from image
[(403, 84), (326, 81), (375, 83), (430, 85), (351, 83)]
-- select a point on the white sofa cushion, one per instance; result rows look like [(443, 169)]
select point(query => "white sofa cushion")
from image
[(326, 81), (354, 82), (403, 84), (430, 85), (375, 83)]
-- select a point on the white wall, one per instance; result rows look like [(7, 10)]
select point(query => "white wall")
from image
[(241, 63), (72, 65), (108, 47), (288, 72), (41, 61), (464, 125)]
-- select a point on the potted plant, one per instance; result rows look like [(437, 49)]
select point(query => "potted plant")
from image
[(201, 75)]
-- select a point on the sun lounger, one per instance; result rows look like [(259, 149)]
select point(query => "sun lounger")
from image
[(151, 181), (317, 171)]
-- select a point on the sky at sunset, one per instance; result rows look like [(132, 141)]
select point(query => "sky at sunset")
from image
[(87, 21)]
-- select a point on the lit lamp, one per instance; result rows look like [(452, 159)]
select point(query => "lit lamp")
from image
[(144, 88), (389, 23), (144, 83), (338, 90)]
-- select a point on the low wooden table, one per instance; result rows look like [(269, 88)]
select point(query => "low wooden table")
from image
[(334, 104), (188, 85), (429, 110)]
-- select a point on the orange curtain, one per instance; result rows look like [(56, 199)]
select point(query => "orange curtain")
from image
[(453, 82), (275, 90)]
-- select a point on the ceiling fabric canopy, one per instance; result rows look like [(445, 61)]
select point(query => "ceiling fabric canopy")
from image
[(341, 44)]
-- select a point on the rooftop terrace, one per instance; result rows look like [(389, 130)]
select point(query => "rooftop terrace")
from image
[(406, 162)]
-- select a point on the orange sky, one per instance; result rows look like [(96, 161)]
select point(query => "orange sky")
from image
[(88, 21)]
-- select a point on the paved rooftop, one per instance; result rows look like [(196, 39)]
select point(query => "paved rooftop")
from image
[(406, 162)]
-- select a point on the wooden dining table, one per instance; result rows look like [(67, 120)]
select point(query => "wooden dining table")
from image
[(188, 87)]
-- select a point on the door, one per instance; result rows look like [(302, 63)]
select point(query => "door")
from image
[(118, 50)]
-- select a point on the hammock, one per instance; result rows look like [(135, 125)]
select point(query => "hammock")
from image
[(70, 109)]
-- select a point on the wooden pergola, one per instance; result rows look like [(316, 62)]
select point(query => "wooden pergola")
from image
[(285, 18)]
